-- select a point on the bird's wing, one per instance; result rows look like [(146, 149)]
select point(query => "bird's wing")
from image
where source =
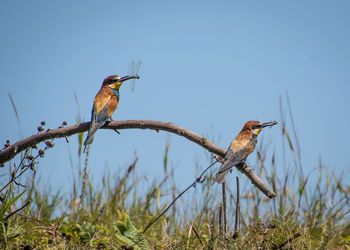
[(100, 109), (99, 116), (238, 156), (234, 147), (229, 162), (229, 151), (232, 158)]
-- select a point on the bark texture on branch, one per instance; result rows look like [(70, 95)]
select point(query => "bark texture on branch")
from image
[(10, 152)]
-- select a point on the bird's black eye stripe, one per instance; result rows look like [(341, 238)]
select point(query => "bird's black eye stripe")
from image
[(113, 81), (257, 126)]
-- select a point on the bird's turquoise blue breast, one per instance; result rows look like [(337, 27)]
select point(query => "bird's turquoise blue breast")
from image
[(116, 92)]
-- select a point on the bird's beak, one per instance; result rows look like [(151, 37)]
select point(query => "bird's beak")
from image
[(269, 124), (125, 78)]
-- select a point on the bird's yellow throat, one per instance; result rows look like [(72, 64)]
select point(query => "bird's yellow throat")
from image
[(115, 85)]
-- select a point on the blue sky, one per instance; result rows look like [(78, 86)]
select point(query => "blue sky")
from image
[(208, 66)]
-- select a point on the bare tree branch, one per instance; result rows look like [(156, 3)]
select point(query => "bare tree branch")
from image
[(11, 151)]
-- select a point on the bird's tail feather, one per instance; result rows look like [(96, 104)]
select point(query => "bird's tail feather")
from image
[(91, 134), (90, 138), (88, 141), (220, 176), (223, 171)]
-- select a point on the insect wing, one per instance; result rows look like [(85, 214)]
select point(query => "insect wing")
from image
[(137, 67), (134, 69)]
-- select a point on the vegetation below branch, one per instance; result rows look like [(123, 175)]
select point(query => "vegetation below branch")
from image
[(305, 217), (309, 211)]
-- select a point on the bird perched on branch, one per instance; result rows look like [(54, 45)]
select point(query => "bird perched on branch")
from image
[(105, 102), (242, 146)]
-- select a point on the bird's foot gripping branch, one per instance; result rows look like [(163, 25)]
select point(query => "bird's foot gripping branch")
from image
[(12, 150)]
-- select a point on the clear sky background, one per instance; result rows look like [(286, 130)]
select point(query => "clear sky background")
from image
[(208, 66)]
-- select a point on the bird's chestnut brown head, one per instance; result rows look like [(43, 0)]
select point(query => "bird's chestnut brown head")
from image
[(115, 81), (256, 126)]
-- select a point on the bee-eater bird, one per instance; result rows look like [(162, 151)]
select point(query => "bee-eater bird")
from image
[(242, 146), (105, 102)]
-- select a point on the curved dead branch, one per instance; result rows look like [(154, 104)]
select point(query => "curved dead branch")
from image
[(11, 151)]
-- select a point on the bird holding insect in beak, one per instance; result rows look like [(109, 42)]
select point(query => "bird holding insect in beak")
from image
[(105, 102), (242, 146)]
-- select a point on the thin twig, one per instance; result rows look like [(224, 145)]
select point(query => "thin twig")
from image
[(24, 168), (84, 178), (17, 210), (197, 234), (287, 241), (224, 206), (220, 221), (189, 236), (198, 180), (17, 115), (237, 207)]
